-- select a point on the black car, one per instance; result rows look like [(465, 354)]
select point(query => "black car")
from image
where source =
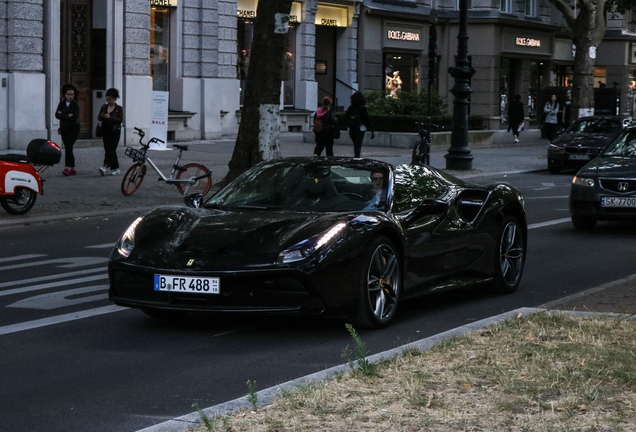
[(583, 140), (322, 236), (605, 188)]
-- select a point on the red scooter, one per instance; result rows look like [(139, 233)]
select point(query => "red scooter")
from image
[(20, 181)]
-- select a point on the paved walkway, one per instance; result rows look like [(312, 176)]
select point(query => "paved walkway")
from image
[(90, 193)]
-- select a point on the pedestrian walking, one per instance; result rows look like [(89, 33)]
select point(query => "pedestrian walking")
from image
[(358, 121), (551, 110), (567, 109), (325, 126), (68, 112), (516, 117), (111, 115)]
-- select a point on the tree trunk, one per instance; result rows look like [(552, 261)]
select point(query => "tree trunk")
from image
[(583, 86), (257, 138)]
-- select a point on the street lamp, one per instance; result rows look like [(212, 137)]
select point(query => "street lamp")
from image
[(432, 58), (458, 156)]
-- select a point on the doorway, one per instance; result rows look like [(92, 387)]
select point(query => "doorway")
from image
[(75, 56), (325, 71)]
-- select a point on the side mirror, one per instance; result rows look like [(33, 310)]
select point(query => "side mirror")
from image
[(194, 200), (427, 208)]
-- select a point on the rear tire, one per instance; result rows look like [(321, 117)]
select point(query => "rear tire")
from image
[(380, 285), (21, 202), (583, 223), (202, 186), (510, 257), (133, 178)]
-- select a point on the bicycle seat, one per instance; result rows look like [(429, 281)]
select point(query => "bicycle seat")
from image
[(180, 147)]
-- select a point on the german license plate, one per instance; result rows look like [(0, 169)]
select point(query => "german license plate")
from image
[(618, 202), (187, 284), (579, 157)]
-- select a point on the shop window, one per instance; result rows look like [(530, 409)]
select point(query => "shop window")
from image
[(564, 75), (600, 76), (160, 48), (245, 36), (401, 73)]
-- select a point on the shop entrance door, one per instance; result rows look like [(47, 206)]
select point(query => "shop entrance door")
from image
[(75, 58), (325, 71)]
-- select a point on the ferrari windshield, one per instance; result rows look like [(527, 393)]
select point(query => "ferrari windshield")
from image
[(623, 145), (315, 186), (595, 125)]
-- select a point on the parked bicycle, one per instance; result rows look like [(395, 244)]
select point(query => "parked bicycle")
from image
[(189, 178), (422, 149)]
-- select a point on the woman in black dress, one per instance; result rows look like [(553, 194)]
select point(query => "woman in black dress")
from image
[(68, 113), (111, 115)]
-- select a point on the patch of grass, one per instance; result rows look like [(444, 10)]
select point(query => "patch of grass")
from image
[(540, 373)]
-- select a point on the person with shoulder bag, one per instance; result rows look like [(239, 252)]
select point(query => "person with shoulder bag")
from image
[(111, 116), (68, 112), (358, 122), (325, 127)]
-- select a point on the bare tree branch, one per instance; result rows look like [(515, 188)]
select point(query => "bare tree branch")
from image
[(601, 23), (566, 11)]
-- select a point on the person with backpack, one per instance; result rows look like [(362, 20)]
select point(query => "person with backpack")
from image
[(358, 121), (325, 124)]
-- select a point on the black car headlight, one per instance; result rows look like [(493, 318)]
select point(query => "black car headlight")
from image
[(554, 147), (305, 248), (583, 181), (126, 243)]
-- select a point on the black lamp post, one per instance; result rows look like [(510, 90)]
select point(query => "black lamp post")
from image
[(432, 58), (458, 156)]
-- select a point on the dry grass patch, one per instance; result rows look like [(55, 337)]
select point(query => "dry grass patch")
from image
[(539, 373)]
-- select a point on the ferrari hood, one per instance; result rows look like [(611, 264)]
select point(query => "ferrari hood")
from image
[(177, 235), (611, 166)]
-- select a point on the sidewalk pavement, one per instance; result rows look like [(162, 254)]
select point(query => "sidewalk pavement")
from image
[(89, 194)]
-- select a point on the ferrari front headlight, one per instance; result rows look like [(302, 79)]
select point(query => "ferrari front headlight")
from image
[(126, 243), (305, 248), (582, 181)]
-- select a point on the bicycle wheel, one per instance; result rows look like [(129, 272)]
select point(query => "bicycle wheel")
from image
[(20, 203), (133, 178), (201, 186)]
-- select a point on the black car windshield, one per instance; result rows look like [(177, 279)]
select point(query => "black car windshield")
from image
[(311, 186), (595, 125), (623, 145)]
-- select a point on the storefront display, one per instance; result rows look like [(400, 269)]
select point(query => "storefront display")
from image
[(160, 48)]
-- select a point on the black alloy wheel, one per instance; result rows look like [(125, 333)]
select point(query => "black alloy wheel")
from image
[(510, 256), (380, 285), (21, 202)]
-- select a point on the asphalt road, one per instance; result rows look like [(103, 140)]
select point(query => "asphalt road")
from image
[(72, 361)]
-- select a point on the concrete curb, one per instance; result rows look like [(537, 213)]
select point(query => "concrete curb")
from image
[(267, 396)]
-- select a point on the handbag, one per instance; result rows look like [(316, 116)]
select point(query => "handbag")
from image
[(99, 130)]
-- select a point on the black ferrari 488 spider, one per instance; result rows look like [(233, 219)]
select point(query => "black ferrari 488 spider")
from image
[(322, 236)]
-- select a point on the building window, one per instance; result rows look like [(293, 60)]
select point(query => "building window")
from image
[(160, 48), (600, 76), (506, 6), (531, 7), (401, 73), (245, 30)]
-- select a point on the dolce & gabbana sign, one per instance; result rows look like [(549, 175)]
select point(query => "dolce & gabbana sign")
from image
[(398, 35), (529, 42), (524, 42)]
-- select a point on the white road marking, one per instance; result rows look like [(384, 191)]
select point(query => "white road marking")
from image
[(548, 223), (59, 299), (73, 262), (52, 285), (29, 325), (21, 257), (548, 184), (54, 276), (101, 246)]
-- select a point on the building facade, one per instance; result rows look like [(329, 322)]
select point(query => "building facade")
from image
[(198, 51)]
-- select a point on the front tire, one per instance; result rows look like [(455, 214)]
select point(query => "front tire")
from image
[(510, 256), (21, 202), (583, 223), (202, 185), (133, 178), (380, 285)]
